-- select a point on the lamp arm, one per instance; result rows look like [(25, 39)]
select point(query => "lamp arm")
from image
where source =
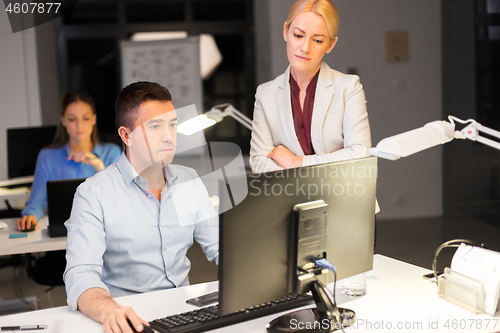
[(240, 117), (243, 121), (433, 134), (472, 132)]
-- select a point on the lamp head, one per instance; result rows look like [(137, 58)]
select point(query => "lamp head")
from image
[(211, 117), (411, 142), (195, 124)]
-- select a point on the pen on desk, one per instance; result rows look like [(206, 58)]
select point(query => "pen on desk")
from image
[(23, 328)]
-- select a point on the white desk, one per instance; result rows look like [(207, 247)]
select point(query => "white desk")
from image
[(36, 241), (404, 299)]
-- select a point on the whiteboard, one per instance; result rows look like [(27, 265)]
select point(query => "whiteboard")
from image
[(174, 63)]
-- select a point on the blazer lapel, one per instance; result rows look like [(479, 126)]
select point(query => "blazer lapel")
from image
[(322, 99), (284, 102)]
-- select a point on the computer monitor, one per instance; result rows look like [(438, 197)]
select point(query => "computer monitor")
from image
[(60, 194), (255, 234), (23, 146)]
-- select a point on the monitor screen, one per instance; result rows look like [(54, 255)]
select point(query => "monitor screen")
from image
[(23, 146), (254, 235), (60, 194)]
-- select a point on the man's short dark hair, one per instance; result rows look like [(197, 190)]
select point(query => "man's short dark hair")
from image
[(129, 99)]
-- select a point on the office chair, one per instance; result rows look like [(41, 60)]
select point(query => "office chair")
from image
[(48, 270)]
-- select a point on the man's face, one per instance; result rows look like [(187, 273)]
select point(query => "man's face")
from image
[(154, 137)]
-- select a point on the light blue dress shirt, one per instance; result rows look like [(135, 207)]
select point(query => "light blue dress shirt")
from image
[(53, 164), (121, 238)]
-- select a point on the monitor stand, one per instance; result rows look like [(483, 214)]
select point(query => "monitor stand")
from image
[(326, 317)]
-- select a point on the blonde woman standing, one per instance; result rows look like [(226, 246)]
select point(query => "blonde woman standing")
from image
[(311, 114)]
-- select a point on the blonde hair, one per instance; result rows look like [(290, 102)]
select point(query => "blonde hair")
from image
[(324, 8)]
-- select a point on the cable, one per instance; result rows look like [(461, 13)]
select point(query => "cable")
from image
[(452, 120), (323, 263)]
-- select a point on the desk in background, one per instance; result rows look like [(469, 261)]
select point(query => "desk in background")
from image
[(15, 195), (36, 241), (404, 299)]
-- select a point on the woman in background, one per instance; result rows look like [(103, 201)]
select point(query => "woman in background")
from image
[(74, 153), (311, 114)]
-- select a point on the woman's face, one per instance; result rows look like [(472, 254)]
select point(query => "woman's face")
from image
[(79, 121), (307, 40)]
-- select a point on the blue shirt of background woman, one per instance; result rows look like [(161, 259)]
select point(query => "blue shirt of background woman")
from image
[(75, 153), (53, 164)]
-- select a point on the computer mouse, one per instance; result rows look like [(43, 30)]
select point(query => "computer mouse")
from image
[(145, 329), (3, 225), (31, 228)]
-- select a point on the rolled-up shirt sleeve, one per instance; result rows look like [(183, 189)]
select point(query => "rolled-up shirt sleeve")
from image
[(85, 246)]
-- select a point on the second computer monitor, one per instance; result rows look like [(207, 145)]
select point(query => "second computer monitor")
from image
[(23, 146), (254, 235)]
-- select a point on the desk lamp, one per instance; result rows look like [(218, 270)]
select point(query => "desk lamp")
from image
[(430, 135), (211, 117)]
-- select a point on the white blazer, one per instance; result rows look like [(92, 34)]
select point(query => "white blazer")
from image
[(339, 128)]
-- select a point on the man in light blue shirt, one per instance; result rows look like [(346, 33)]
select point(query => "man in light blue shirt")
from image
[(132, 224)]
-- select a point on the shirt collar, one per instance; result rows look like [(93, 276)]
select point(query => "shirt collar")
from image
[(126, 169), (294, 86), (170, 174), (129, 173)]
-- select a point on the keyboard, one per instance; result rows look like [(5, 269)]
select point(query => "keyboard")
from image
[(208, 318)]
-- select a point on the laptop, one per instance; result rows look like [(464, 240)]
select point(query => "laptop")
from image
[(60, 195)]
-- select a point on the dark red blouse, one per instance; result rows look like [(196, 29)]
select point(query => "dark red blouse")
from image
[(303, 118)]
